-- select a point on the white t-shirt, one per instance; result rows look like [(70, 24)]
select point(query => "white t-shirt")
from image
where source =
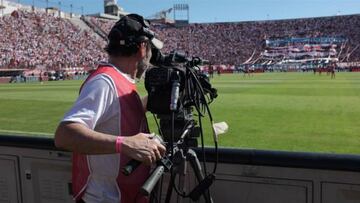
[(97, 107)]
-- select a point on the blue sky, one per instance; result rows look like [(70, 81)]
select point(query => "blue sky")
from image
[(222, 10)]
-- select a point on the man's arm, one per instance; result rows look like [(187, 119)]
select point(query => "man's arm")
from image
[(77, 137)]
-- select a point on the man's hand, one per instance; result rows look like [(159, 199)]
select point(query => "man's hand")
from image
[(143, 148)]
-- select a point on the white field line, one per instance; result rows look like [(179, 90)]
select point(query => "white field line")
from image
[(24, 132)]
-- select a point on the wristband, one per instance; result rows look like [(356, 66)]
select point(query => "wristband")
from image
[(118, 144)]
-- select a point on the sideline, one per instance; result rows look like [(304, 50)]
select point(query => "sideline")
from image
[(18, 132)]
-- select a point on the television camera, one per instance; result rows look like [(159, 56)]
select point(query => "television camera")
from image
[(176, 88)]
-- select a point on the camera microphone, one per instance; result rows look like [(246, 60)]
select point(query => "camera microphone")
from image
[(159, 59), (178, 57)]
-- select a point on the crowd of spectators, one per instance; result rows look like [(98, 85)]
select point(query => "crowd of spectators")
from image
[(33, 39), (36, 39), (104, 24), (236, 42)]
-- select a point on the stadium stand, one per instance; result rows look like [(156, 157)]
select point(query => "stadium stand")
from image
[(36, 40), (235, 43)]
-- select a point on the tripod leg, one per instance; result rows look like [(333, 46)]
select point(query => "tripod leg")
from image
[(169, 189), (155, 196), (178, 169), (195, 164)]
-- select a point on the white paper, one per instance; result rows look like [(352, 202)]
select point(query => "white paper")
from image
[(220, 128)]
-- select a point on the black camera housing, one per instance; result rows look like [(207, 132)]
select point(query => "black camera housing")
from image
[(176, 73), (158, 84)]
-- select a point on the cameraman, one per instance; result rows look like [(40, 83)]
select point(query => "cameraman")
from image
[(107, 127)]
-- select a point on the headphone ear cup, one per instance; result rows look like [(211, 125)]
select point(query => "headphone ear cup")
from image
[(131, 44), (133, 48)]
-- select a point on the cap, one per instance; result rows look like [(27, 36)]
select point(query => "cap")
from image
[(132, 29)]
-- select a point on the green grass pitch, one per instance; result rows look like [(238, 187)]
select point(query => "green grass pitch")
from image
[(277, 111)]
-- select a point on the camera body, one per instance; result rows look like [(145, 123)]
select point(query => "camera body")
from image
[(175, 87), (158, 83)]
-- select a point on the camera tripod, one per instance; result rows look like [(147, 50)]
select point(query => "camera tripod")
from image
[(179, 168), (180, 156)]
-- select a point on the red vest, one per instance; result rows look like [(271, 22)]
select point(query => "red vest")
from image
[(132, 119)]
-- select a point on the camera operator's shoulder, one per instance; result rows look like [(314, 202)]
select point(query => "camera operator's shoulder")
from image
[(101, 82)]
